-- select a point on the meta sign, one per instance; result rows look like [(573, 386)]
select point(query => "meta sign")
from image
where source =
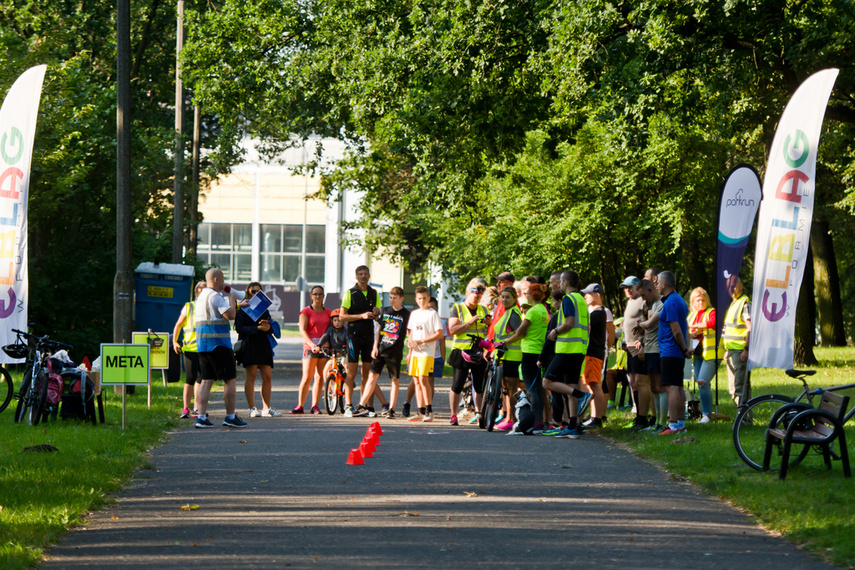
[(125, 364)]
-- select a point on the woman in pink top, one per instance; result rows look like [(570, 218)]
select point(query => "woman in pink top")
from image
[(314, 321)]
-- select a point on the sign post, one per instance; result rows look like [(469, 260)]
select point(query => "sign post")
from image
[(159, 350), (125, 365)]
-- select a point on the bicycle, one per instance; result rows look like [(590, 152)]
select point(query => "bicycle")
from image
[(18, 351), (33, 393), (334, 384), (492, 396), (752, 421)]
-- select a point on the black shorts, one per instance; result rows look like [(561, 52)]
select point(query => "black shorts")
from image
[(511, 369), (359, 347), (565, 368), (651, 362), (672, 370), (459, 376), (634, 365), (392, 364), (192, 369), (219, 364)]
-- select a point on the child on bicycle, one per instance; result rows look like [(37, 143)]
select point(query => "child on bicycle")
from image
[(335, 338)]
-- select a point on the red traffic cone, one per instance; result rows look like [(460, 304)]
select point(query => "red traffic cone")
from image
[(355, 458), (369, 432), (377, 429), (375, 439), (365, 449), (369, 443)]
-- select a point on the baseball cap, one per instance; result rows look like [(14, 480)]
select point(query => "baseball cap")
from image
[(505, 276), (630, 281), (592, 288)]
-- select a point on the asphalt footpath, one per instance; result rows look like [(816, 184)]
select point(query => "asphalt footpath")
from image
[(280, 494)]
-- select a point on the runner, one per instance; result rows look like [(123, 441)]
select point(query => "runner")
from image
[(467, 318)]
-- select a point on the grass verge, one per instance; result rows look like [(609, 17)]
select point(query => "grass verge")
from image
[(42, 494), (811, 507)]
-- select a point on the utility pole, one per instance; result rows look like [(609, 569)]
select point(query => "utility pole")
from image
[(123, 283), (178, 185), (193, 233)]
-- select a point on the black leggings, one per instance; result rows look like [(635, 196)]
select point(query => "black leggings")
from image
[(460, 375), (532, 378)]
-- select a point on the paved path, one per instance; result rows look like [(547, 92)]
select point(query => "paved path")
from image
[(279, 494)]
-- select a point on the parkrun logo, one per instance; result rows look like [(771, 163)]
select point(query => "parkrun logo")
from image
[(738, 201), (12, 147), (783, 245)]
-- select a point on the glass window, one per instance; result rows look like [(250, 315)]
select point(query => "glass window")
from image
[(315, 269), (315, 239), (271, 238), (242, 240), (293, 242), (242, 267), (290, 268), (271, 268), (223, 261), (203, 236), (221, 237)]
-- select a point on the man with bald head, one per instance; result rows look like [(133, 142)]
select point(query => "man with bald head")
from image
[(214, 310)]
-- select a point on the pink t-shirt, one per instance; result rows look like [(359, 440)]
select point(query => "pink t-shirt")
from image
[(318, 322)]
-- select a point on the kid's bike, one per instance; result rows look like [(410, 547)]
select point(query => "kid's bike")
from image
[(334, 384), (752, 421)]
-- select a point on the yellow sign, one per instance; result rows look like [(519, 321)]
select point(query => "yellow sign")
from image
[(159, 347), (124, 364), (162, 292)]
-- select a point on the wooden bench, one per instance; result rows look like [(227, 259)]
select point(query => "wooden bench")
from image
[(814, 426)]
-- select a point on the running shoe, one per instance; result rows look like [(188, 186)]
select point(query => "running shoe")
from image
[(185, 413), (360, 411), (202, 424), (671, 431), (194, 413), (705, 419), (316, 411), (474, 419), (593, 423), (406, 411), (499, 418), (414, 418), (270, 413), (428, 418), (504, 426), (255, 413), (568, 433), (235, 422), (610, 405), (583, 401), (372, 413), (385, 411), (551, 431), (348, 411), (390, 414), (297, 410), (454, 421)]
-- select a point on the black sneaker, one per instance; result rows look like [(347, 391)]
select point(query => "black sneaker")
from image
[(390, 414), (361, 411), (406, 411), (593, 423), (235, 422), (206, 423)]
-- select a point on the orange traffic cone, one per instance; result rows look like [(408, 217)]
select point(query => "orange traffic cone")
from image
[(365, 449), (355, 458), (369, 443)]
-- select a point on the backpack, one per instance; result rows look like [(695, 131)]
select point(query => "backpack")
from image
[(78, 396), (54, 385)]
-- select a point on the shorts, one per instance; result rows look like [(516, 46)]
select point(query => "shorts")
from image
[(392, 364), (307, 350), (219, 364), (191, 367), (565, 368), (438, 365), (652, 362), (359, 347), (459, 376), (634, 365), (672, 370), (511, 369), (593, 370), (421, 366)]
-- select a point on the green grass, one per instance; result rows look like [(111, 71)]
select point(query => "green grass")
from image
[(812, 507), (42, 494)]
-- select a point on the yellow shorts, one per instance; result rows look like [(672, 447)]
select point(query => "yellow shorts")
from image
[(421, 366)]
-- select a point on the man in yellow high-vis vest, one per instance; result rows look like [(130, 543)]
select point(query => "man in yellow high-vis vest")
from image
[(737, 329)]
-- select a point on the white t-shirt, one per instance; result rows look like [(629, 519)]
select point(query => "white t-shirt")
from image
[(422, 324)]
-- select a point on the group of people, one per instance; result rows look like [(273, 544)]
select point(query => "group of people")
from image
[(555, 340)]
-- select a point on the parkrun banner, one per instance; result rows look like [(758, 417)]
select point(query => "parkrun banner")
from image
[(783, 232), (17, 129), (737, 211)]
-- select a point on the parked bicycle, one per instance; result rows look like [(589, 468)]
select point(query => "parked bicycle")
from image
[(32, 396), (334, 384), (752, 421), (492, 396), (18, 350)]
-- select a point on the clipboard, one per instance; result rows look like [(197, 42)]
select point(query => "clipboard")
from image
[(257, 305)]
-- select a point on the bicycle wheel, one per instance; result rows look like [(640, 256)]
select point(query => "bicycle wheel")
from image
[(486, 396), (749, 431), (23, 405), (5, 388), (38, 407), (330, 395), (491, 409)]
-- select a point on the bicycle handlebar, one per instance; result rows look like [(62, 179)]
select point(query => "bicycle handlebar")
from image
[(43, 340)]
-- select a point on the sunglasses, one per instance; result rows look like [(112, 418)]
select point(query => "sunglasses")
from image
[(254, 291), (477, 290), (317, 294)]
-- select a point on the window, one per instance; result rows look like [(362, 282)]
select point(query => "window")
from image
[(280, 250)]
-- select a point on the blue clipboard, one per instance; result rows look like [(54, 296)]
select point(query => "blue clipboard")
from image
[(257, 305)]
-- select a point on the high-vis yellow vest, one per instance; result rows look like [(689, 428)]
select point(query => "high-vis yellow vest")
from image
[(479, 329), (735, 328), (514, 352), (190, 328), (710, 352), (574, 341)]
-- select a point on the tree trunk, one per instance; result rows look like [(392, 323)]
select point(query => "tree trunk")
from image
[(828, 303), (806, 320)]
